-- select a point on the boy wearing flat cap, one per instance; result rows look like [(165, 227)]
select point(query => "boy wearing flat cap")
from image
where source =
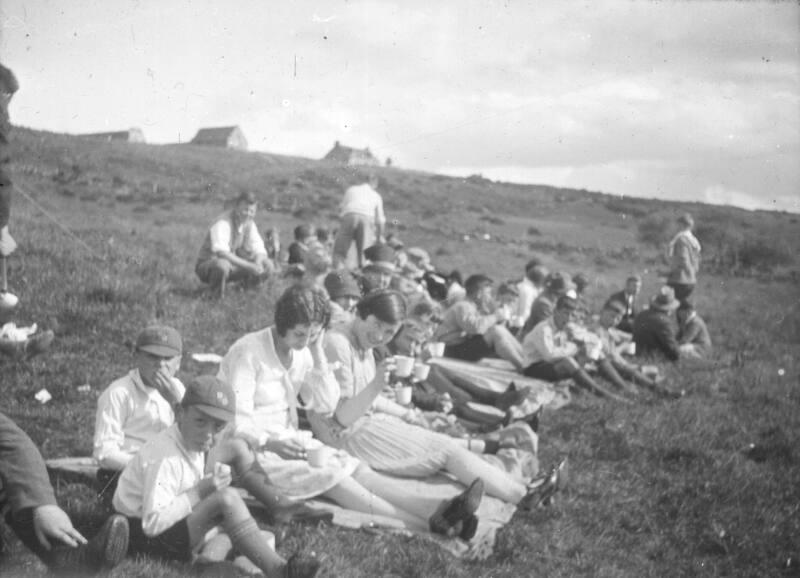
[(138, 406), (174, 503)]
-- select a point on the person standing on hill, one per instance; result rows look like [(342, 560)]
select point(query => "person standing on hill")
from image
[(362, 223), (683, 253), (233, 249)]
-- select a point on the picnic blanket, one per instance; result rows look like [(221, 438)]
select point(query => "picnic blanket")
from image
[(496, 374), (492, 514)]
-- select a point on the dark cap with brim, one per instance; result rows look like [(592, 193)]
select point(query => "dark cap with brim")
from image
[(160, 340), (212, 396)]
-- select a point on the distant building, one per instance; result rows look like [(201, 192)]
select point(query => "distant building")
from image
[(350, 156), (230, 137), (130, 135)]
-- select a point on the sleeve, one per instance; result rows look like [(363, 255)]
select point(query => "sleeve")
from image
[(253, 243), (238, 369), (340, 355), (320, 391), (220, 235), (470, 321), (22, 470), (163, 504), (109, 433)]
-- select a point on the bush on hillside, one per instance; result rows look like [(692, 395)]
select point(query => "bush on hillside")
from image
[(655, 230), (762, 256)]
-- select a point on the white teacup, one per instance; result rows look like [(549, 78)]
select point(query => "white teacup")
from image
[(421, 371), (319, 456), (436, 348), (404, 365), (403, 395), (8, 300)]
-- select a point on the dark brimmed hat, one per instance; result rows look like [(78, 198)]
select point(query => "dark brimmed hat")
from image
[(212, 396), (342, 284), (664, 300), (380, 252), (160, 340)]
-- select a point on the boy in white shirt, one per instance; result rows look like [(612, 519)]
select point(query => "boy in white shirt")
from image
[(174, 505), (138, 406)]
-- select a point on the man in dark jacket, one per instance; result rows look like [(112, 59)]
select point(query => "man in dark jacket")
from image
[(628, 297), (653, 329), (28, 498)]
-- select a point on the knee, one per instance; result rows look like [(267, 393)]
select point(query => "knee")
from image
[(228, 499)]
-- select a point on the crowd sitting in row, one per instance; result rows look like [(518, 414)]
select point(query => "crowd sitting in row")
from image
[(324, 379)]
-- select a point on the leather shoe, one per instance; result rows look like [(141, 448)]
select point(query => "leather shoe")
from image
[(457, 509), (511, 396), (469, 528), (103, 552), (302, 566), (541, 490)]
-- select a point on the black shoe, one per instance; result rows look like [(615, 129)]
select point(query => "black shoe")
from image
[(469, 528), (302, 566), (457, 509), (511, 396), (542, 489), (103, 552)]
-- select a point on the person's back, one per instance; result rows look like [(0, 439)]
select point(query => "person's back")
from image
[(653, 329), (694, 339)]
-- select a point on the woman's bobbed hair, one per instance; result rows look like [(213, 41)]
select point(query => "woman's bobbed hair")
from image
[(301, 305), (387, 306)]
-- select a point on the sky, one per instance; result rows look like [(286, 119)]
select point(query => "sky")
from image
[(674, 100)]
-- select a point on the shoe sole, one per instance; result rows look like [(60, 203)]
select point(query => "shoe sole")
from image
[(116, 546)]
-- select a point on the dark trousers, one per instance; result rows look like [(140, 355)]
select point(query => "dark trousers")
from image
[(682, 290)]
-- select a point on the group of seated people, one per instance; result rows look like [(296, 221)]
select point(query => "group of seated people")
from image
[(171, 456)]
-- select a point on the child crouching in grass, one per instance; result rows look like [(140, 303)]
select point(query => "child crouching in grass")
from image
[(175, 508)]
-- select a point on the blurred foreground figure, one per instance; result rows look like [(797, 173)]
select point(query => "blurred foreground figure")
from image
[(233, 249), (11, 344), (31, 511)]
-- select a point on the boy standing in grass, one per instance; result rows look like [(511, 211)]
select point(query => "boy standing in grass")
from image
[(138, 406), (174, 505)]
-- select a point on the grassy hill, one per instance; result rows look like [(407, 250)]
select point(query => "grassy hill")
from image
[(108, 236)]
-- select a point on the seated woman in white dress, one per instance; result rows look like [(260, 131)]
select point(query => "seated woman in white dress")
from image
[(375, 429), (267, 370)]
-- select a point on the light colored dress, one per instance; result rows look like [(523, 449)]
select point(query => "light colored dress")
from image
[(384, 442), (266, 407)]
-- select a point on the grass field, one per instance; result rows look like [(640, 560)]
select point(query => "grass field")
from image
[(659, 488)]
